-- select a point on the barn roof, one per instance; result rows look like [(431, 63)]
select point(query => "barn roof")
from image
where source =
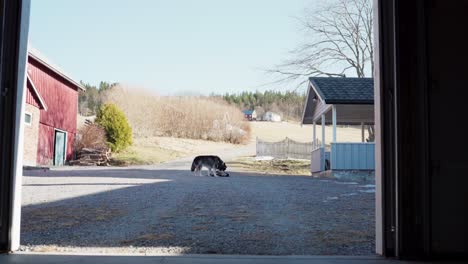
[(344, 90), (36, 55)]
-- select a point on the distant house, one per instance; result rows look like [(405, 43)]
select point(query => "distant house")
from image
[(50, 113), (250, 115), (272, 117)]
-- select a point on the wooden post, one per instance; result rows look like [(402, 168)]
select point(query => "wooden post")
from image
[(314, 140), (363, 137), (334, 122)]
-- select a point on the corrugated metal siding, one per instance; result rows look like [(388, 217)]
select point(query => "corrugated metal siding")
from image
[(61, 98), (352, 156)]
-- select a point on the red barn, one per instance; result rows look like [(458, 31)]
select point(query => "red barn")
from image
[(51, 113)]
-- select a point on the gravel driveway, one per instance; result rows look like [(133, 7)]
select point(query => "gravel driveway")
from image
[(164, 209)]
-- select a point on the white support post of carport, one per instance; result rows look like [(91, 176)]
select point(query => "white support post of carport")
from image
[(363, 137), (323, 131), (323, 144), (334, 122), (314, 140)]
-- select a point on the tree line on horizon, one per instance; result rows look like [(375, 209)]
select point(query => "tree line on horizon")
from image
[(288, 104), (90, 100)]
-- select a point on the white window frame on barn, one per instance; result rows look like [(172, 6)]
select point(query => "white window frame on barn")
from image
[(30, 118)]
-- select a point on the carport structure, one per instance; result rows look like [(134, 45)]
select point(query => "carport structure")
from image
[(340, 101)]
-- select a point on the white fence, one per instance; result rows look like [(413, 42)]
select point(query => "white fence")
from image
[(286, 148)]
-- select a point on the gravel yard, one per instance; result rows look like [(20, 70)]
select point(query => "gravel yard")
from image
[(164, 209)]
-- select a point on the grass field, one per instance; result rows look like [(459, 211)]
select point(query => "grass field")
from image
[(270, 131), (152, 150), (144, 155)]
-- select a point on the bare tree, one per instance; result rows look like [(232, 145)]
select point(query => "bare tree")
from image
[(341, 42)]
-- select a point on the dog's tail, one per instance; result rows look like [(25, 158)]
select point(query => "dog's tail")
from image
[(193, 166)]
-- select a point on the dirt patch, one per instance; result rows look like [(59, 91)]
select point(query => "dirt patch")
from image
[(269, 167)]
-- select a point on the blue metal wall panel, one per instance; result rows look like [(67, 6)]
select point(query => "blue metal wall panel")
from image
[(352, 156)]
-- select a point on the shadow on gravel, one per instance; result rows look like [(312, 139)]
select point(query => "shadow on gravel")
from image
[(182, 213)]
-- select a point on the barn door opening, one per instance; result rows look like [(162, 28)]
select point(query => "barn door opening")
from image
[(59, 157), (60, 144)]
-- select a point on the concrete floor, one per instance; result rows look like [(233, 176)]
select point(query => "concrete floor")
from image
[(193, 259)]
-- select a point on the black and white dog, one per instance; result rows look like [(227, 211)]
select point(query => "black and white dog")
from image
[(215, 166)]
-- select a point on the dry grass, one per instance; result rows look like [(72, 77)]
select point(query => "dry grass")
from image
[(275, 167), (144, 155), (153, 150), (183, 117), (270, 131)]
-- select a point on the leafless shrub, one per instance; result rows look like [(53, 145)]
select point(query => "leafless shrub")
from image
[(180, 116), (90, 136)]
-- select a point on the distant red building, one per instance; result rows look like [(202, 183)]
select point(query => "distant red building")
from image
[(51, 113)]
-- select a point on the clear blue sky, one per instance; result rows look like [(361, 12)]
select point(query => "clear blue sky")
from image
[(169, 46)]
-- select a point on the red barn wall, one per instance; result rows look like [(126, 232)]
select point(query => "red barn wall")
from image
[(61, 98), (30, 97)]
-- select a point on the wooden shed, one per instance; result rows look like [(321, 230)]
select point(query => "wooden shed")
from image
[(340, 101), (50, 113)]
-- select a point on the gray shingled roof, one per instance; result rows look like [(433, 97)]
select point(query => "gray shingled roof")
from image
[(339, 90)]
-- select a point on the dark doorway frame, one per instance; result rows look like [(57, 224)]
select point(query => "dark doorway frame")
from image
[(385, 202), (403, 169)]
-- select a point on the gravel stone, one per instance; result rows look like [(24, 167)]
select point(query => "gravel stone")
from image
[(165, 209)]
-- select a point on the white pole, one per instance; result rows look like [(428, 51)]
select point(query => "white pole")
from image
[(334, 122), (314, 140), (323, 144), (16, 185), (323, 131), (362, 132)]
